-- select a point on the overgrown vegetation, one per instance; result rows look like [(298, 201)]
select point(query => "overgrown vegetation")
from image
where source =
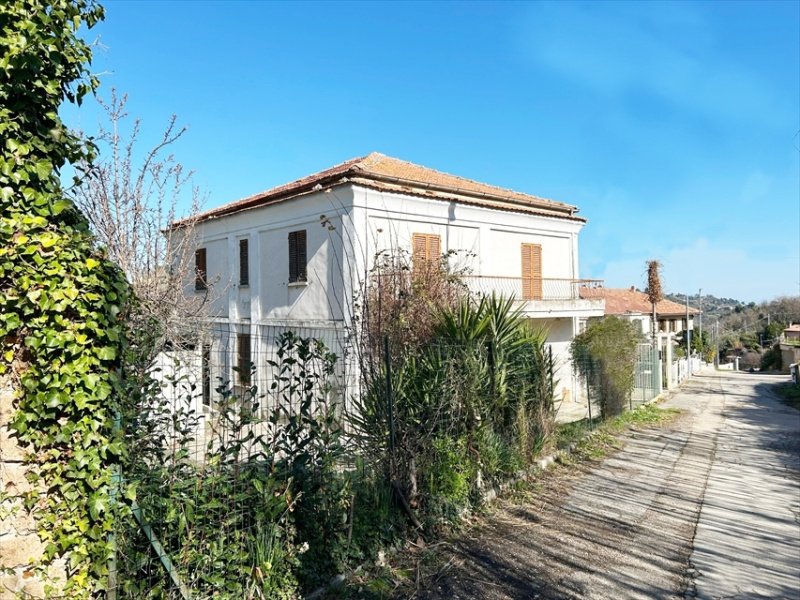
[(464, 402), (60, 299), (605, 355), (790, 393), (261, 508)]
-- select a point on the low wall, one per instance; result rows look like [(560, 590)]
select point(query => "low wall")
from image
[(21, 550)]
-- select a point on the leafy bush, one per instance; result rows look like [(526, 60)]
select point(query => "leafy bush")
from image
[(473, 404), (605, 354), (772, 359)]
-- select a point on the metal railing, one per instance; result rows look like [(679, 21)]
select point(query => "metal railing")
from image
[(534, 288)]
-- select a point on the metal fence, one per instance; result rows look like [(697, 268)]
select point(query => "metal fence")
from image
[(211, 517), (210, 514), (590, 388)]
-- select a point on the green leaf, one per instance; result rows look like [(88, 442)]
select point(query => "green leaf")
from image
[(107, 353)]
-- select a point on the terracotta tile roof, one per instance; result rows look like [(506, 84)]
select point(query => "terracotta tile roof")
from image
[(793, 328), (630, 300), (385, 173)]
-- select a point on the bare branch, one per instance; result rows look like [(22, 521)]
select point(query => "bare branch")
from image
[(130, 197)]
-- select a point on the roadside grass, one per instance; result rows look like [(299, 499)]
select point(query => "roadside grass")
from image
[(403, 574), (607, 435), (789, 394)]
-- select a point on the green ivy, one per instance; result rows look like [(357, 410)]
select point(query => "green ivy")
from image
[(60, 299)]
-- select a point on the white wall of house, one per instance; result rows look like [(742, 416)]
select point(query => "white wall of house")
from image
[(388, 220), (270, 296)]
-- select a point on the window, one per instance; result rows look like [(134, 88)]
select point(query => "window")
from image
[(297, 256), (243, 360), (244, 263), (531, 272), (200, 270), (426, 247), (205, 360)]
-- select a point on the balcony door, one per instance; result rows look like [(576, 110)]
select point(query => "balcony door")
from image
[(531, 272)]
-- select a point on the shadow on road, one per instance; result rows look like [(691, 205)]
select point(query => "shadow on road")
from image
[(625, 528)]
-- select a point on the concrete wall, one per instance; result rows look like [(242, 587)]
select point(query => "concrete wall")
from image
[(20, 546), (790, 354)]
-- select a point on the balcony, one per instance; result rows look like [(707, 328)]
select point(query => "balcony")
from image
[(534, 289), (541, 297), (536, 296)]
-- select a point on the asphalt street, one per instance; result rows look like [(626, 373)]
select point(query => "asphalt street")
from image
[(708, 507)]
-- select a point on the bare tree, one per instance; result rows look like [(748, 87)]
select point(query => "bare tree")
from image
[(130, 197)]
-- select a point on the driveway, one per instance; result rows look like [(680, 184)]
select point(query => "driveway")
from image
[(707, 508)]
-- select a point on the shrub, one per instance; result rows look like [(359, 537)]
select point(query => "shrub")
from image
[(605, 354)]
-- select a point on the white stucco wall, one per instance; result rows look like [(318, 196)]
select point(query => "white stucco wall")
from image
[(270, 296)]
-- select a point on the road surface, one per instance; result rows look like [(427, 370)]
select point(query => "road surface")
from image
[(708, 507)]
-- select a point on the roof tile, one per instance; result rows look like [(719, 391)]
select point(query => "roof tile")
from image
[(391, 174), (631, 300)]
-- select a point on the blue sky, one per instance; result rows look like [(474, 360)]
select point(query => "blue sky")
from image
[(675, 127)]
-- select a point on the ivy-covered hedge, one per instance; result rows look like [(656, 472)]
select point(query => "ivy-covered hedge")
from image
[(59, 298)]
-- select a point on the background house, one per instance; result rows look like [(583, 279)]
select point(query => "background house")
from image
[(300, 256), (671, 318), (790, 346)]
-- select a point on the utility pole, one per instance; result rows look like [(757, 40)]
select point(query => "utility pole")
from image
[(688, 338), (700, 299)]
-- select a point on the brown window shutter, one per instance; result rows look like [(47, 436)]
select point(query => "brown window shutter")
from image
[(419, 247), (426, 247), (531, 272), (244, 263), (243, 361), (297, 256), (434, 247), (200, 270)]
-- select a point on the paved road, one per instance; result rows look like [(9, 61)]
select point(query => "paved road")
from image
[(747, 540), (708, 508)]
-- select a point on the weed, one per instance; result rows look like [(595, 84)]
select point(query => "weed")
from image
[(789, 393)]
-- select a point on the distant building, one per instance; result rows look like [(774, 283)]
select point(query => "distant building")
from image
[(633, 305)]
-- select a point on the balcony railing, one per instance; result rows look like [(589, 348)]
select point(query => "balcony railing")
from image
[(533, 288), (519, 288)]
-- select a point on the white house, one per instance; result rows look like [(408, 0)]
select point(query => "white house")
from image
[(297, 255)]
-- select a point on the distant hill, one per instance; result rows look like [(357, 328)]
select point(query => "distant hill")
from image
[(711, 305)]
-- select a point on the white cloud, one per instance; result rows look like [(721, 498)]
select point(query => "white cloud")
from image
[(721, 271)]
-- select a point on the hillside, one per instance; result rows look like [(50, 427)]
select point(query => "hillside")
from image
[(712, 307)]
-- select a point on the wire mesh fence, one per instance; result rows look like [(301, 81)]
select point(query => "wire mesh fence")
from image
[(597, 396)]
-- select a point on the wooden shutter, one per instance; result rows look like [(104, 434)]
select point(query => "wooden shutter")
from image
[(243, 360), (419, 247), (297, 256), (426, 247), (200, 270), (531, 272), (434, 247), (244, 263)]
